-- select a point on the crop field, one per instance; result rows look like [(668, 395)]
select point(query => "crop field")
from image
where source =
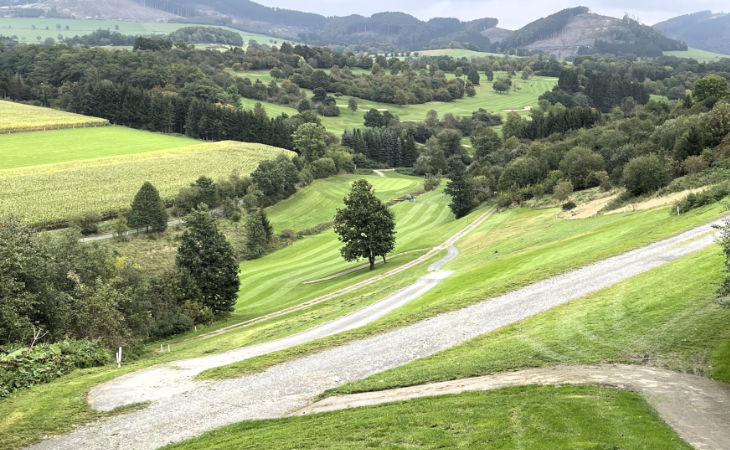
[(523, 417), (30, 30), (16, 117), (316, 203), (53, 193), (697, 54), (524, 94), (58, 146)]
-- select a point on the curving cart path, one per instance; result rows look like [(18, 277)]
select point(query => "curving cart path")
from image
[(294, 384)]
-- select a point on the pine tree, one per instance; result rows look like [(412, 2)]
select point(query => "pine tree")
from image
[(258, 234), (459, 188), (365, 225), (208, 270), (148, 210)]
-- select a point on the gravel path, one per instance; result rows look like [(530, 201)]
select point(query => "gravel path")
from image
[(294, 384), (696, 407), (175, 378)]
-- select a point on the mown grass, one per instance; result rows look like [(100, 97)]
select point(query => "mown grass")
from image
[(521, 417), (667, 317), (29, 30), (697, 54), (524, 93), (54, 193), (58, 146), (16, 117), (317, 203), (508, 251), (457, 53)]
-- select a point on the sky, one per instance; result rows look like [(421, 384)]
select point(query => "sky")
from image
[(511, 15)]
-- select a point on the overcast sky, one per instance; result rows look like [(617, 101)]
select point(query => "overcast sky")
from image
[(511, 14)]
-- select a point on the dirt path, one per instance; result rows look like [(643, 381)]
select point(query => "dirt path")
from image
[(426, 256), (294, 384), (696, 407)]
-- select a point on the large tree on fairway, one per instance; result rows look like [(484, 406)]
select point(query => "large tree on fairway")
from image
[(459, 188), (365, 225), (148, 210), (209, 272)]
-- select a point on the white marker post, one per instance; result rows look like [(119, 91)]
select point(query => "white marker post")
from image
[(119, 358)]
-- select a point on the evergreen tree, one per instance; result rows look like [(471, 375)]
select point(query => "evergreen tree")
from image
[(148, 210), (208, 271), (258, 234), (365, 225), (459, 188)]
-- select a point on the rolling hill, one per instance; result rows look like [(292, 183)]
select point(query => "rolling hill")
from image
[(704, 30)]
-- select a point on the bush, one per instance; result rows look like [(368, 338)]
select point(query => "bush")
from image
[(568, 206), (87, 222), (504, 200), (562, 190), (323, 168), (174, 324), (431, 182), (703, 198), (644, 174), (25, 367)]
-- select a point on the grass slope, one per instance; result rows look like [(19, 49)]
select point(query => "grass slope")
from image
[(524, 417), (524, 93), (666, 317), (49, 147), (31, 30), (52, 193), (509, 250), (697, 54), (317, 203), (16, 117)]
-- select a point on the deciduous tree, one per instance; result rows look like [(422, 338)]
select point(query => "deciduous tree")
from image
[(365, 225)]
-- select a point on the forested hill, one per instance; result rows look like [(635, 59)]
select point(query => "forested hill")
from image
[(382, 31), (704, 30), (576, 30)]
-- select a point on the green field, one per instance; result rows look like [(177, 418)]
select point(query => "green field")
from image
[(316, 203), (16, 117), (30, 30), (697, 54), (50, 194), (639, 321), (509, 250), (528, 417), (525, 93), (58, 146)]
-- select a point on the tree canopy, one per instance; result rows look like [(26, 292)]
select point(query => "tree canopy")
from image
[(365, 225), (148, 210)]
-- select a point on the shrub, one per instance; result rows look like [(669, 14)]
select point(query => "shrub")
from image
[(694, 164), (504, 200), (431, 182), (568, 206), (25, 367), (87, 222), (562, 190), (703, 198), (323, 167), (644, 174)]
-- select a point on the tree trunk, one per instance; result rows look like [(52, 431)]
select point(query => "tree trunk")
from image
[(383, 259), (372, 262)]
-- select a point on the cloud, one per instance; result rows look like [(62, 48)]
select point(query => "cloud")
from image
[(509, 15)]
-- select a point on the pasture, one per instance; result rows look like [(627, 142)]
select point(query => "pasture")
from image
[(524, 94), (697, 54), (17, 117), (58, 146), (51, 194), (34, 30)]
